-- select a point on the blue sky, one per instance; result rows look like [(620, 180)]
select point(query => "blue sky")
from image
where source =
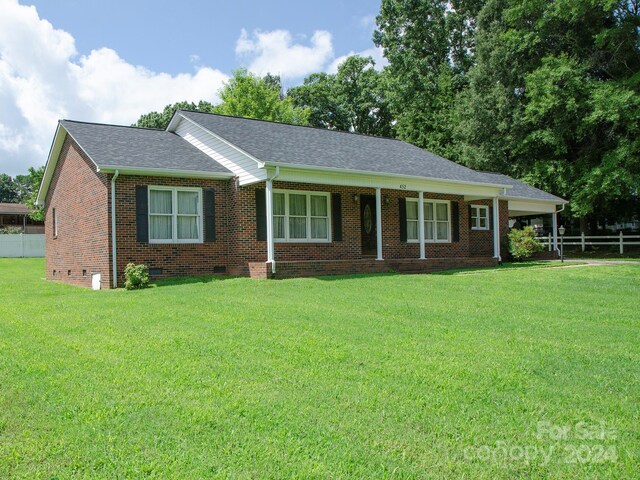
[(111, 61)]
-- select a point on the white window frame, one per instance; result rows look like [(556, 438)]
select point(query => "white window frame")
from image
[(435, 229), (174, 215), (286, 217), (475, 220)]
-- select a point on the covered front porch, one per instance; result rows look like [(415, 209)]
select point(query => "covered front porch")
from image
[(413, 228)]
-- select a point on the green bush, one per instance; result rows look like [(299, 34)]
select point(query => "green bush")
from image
[(136, 276), (523, 243), (11, 230)]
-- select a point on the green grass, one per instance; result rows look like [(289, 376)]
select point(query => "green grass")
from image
[(387, 376)]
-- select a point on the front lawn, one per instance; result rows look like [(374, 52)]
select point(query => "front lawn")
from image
[(505, 373)]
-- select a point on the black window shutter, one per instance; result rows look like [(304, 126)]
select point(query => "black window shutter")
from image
[(142, 214), (261, 214), (209, 215), (455, 221), (490, 218), (336, 216), (403, 219), (470, 218)]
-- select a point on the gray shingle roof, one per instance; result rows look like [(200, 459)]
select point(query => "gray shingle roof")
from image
[(130, 147), (273, 142), (521, 189)]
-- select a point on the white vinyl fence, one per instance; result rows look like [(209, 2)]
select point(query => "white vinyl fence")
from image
[(21, 245), (593, 240)]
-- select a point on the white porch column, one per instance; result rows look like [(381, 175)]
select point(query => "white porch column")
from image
[(379, 222), (269, 205), (496, 228), (555, 231), (421, 224)]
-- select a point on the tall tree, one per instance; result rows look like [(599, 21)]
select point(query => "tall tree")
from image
[(8, 189), (351, 100), (30, 187), (250, 96), (429, 45), (554, 99), (161, 119)]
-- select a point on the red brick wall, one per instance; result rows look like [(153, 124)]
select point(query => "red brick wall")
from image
[(83, 201), (79, 195), (174, 259)]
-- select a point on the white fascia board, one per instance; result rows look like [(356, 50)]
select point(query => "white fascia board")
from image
[(174, 124), (165, 172), (531, 207), (52, 161), (389, 182), (407, 178), (559, 201)]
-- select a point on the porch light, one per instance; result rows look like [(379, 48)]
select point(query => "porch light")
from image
[(386, 200), (355, 198), (561, 230)]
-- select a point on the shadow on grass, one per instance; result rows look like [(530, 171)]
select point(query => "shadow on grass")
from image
[(172, 282)]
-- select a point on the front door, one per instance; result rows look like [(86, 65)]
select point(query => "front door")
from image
[(368, 224)]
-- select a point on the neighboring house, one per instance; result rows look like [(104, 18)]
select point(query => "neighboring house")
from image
[(224, 195), (16, 215)]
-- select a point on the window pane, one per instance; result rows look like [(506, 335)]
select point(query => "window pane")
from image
[(428, 230), (412, 210), (160, 227), (297, 227), (318, 206), (278, 227), (160, 201), (474, 213), (278, 203), (428, 211), (319, 228), (483, 222), (412, 230), (188, 228), (297, 204), (188, 203), (443, 230), (442, 211)]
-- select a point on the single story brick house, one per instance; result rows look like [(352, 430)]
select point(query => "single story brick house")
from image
[(214, 194)]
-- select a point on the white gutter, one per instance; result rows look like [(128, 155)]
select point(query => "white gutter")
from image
[(113, 229), (555, 228)]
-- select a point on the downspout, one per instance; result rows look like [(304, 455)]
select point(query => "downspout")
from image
[(270, 245), (555, 228), (113, 229)]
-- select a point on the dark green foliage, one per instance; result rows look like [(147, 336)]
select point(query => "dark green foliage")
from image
[(429, 45), (136, 276), (523, 243), (553, 99), (8, 190), (352, 100)]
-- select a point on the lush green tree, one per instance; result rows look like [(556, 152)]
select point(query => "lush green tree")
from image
[(429, 45), (161, 119), (553, 98), (8, 189), (250, 96), (30, 187), (351, 100)]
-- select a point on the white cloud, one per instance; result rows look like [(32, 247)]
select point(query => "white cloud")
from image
[(375, 53), (42, 79), (275, 52)]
